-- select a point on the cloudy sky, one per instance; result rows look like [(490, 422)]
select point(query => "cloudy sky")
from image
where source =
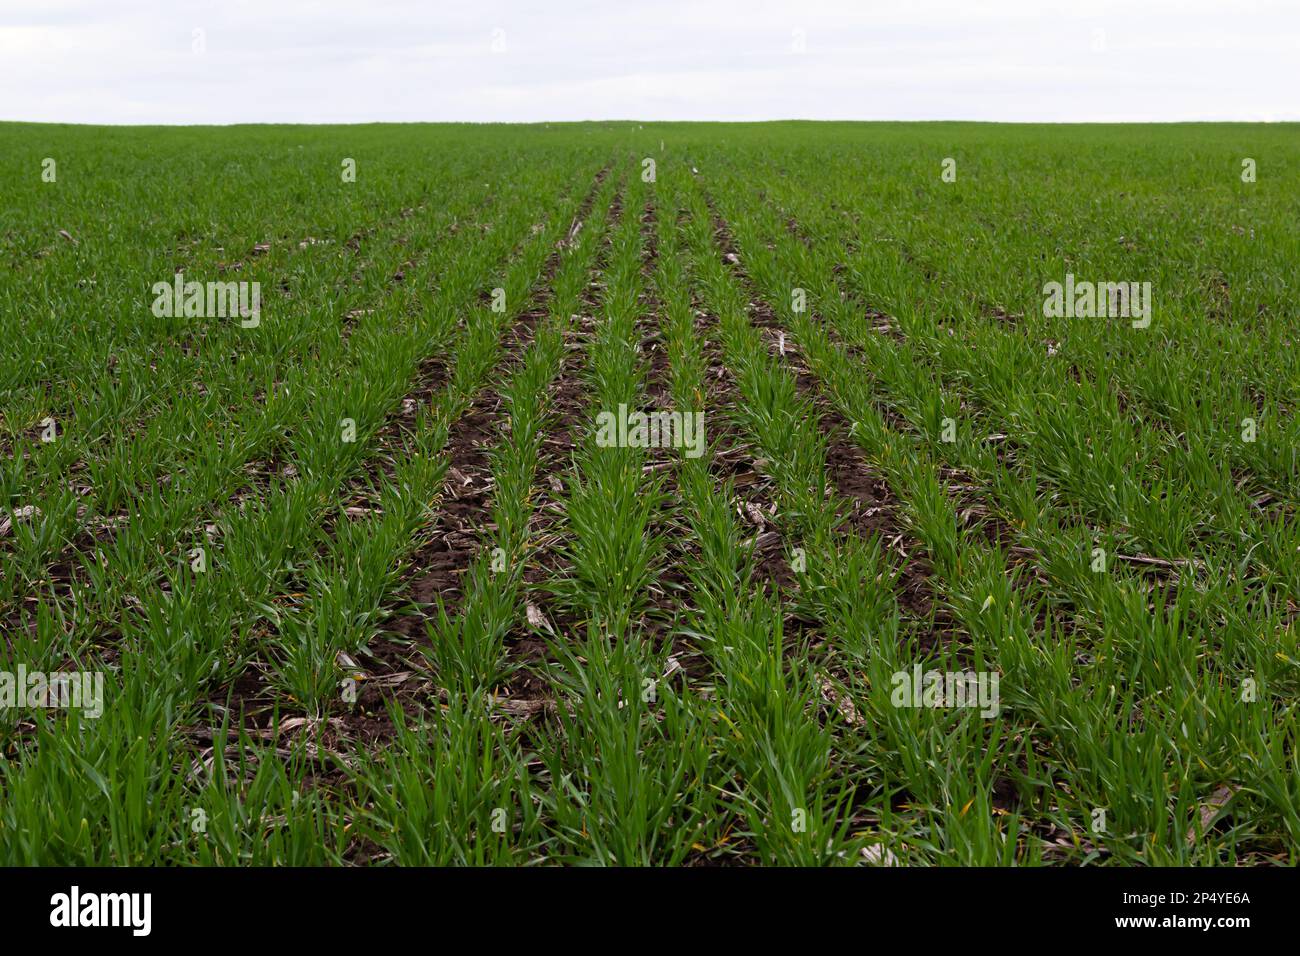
[(343, 61)]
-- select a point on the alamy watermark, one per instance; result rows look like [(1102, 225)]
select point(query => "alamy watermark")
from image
[(82, 690), (1091, 300), (75, 908), (659, 429), (943, 689), (214, 300)]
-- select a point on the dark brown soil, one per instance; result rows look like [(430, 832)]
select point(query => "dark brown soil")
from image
[(433, 571), (527, 693), (872, 506)]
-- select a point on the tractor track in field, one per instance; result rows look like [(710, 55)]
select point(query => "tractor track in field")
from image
[(465, 504), (261, 472), (433, 570), (384, 671), (972, 498), (731, 465), (728, 458), (873, 507), (434, 372), (526, 692), (436, 569), (735, 464), (670, 585), (733, 459), (874, 510)]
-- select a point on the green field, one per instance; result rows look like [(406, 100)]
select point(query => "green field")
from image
[(365, 575)]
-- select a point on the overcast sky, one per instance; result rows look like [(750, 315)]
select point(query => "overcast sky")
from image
[(344, 61)]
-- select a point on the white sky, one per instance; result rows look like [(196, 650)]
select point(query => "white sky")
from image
[(342, 61)]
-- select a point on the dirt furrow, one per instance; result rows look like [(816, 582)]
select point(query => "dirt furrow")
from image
[(973, 500), (670, 583), (873, 507), (433, 571), (527, 693)]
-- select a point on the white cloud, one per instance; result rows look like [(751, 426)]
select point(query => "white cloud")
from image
[(333, 61)]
